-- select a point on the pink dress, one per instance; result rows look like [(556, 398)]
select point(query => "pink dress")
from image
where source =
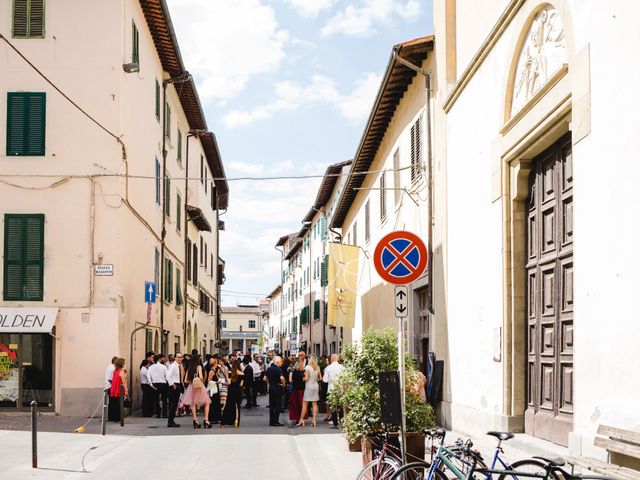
[(196, 396)]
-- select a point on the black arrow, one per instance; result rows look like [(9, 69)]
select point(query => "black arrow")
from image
[(401, 294), (401, 309)]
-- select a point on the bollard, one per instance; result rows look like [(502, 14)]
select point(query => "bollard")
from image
[(105, 403), (121, 405), (34, 434)]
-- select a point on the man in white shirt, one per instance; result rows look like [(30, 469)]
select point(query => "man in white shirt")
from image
[(158, 379), (258, 370), (108, 374), (173, 388), (330, 377)]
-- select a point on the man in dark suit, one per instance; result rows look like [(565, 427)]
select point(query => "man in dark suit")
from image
[(248, 381), (275, 379)]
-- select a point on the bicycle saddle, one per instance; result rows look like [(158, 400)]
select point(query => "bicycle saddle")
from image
[(556, 462), (501, 435)]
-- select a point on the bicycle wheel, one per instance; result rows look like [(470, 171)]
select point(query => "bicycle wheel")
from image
[(533, 469), (417, 471), (372, 471)]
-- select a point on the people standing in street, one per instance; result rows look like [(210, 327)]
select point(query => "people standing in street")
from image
[(248, 381), (258, 385), (108, 374), (147, 394), (331, 375), (311, 395), (213, 389), (118, 382), (158, 380), (174, 388), (296, 382), (276, 381), (196, 393), (231, 413)]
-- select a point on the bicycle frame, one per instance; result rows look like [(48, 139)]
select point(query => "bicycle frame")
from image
[(441, 456)]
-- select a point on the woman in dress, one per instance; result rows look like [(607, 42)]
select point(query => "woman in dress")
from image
[(231, 413), (213, 388), (118, 380), (296, 380), (312, 376), (196, 393)]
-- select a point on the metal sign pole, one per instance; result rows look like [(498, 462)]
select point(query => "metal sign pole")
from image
[(403, 448)]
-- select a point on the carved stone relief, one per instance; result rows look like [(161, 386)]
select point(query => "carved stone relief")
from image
[(543, 53)]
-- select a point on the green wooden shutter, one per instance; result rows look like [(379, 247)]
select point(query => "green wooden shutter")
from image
[(167, 197), (135, 43), (148, 340), (324, 271), (36, 124), (179, 300), (179, 145), (28, 18), (26, 113), (178, 212), (16, 119), (316, 310), (24, 257), (157, 100)]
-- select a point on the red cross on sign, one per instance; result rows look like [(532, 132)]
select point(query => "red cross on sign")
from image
[(400, 257)]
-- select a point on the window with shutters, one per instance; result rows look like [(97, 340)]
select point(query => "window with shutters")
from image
[(179, 152), (158, 182), (367, 229), (178, 288), (167, 120), (194, 265), (178, 212), (212, 269), (148, 340), (167, 196), (135, 43), (316, 310), (23, 257), (168, 280), (201, 169), (416, 151), (28, 19), (214, 198), (156, 266), (397, 192), (157, 100), (324, 271), (26, 119), (383, 198), (187, 265)]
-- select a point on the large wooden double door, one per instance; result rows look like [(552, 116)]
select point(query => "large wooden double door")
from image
[(549, 412)]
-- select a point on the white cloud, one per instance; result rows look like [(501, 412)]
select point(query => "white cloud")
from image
[(245, 167), (361, 18), (311, 8), (226, 42), (291, 96)]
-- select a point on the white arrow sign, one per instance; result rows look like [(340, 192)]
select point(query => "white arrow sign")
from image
[(401, 297)]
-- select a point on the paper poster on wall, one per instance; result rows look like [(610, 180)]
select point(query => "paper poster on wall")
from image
[(9, 385)]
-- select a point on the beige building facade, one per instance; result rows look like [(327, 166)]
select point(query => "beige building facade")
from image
[(535, 126), (242, 328), (87, 218)]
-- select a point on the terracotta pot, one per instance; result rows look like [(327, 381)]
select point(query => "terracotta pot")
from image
[(415, 446), (356, 446)]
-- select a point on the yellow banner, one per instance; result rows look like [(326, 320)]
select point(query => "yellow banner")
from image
[(342, 285)]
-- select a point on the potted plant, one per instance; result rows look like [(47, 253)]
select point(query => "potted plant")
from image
[(357, 391)]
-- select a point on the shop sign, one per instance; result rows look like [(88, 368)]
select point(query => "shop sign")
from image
[(27, 320)]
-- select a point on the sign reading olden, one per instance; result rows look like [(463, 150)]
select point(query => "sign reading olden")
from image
[(27, 320), (400, 257)]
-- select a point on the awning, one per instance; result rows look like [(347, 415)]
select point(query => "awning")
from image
[(27, 320), (198, 219)]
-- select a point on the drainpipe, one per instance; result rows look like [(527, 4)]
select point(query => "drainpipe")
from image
[(427, 77), (183, 77)]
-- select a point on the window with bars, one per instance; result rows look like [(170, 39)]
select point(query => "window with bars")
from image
[(416, 151), (23, 257), (26, 119), (135, 43), (157, 100), (28, 19), (367, 222), (383, 198)]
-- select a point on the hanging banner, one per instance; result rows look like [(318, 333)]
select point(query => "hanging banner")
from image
[(342, 284)]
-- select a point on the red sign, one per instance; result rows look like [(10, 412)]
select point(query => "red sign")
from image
[(400, 257)]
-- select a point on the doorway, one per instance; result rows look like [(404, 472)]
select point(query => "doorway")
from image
[(549, 309)]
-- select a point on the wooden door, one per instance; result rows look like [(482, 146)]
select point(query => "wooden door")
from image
[(549, 413)]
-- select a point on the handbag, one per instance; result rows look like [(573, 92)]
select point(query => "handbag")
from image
[(212, 388), (127, 402), (197, 383)]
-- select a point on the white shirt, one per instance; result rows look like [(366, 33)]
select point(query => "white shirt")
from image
[(144, 375), (157, 373), (173, 373), (256, 368), (331, 374), (108, 376)]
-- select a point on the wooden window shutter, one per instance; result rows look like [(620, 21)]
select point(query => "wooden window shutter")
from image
[(187, 264), (416, 150), (178, 212), (179, 146), (194, 264), (26, 113), (324, 271), (28, 18), (316, 310), (135, 43), (148, 340), (24, 257), (367, 226), (167, 197), (383, 198), (178, 288), (158, 100)]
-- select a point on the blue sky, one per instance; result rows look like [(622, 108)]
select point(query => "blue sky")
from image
[(287, 86)]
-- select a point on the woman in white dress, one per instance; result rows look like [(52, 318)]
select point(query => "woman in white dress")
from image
[(312, 376)]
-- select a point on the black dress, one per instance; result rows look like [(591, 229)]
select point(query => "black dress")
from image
[(215, 410), (234, 401)]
